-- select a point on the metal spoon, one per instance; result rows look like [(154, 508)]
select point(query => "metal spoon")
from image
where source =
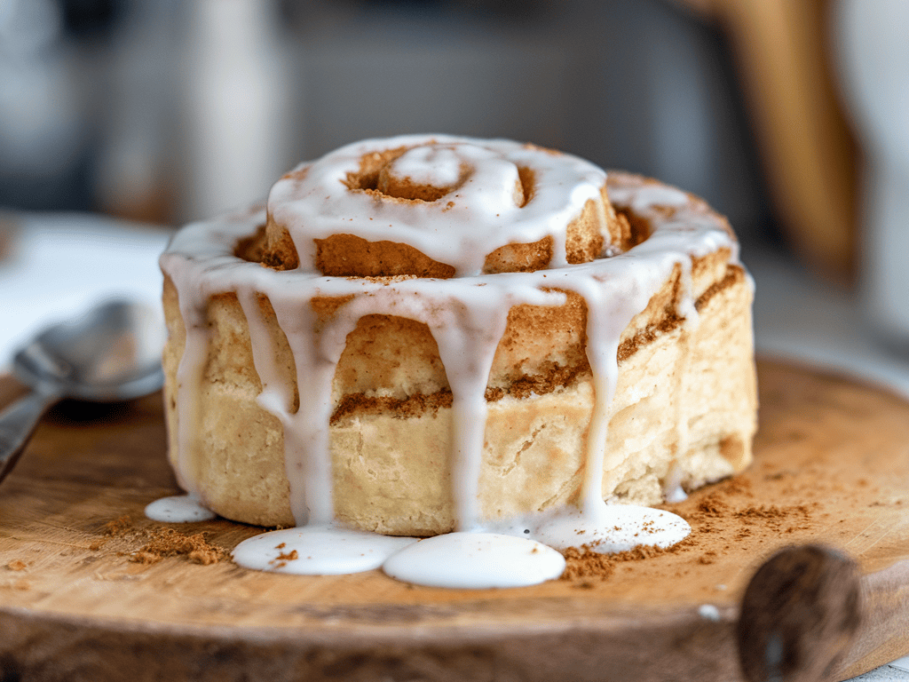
[(111, 353)]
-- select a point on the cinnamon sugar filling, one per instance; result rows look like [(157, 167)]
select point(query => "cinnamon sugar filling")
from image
[(550, 377), (555, 377)]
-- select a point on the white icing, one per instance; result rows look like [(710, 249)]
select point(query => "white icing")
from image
[(709, 612), (189, 380), (178, 509), (475, 561), (435, 166), (317, 550), (466, 314), (645, 197), (471, 221), (675, 494), (672, 484)]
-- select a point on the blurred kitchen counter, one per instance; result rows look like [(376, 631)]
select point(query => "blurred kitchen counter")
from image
[(56, 265), (802, 318)]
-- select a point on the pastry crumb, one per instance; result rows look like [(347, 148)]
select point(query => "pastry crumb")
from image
[(118, 526), (167, 542)]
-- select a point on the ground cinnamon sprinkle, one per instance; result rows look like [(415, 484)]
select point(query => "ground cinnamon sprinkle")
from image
[(118, 526), (737, 486), (649, 551), (16, 565), (713, 506), (159, 542), (581, 562), (708, 557), (586, 562), (764, 512), (773, 512), (167, 542), (727, 513)]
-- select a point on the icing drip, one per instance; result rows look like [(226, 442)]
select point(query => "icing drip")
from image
[(466, 315), (276, 391), (467, 346), (305, 434), (189, 379), (608, 313)]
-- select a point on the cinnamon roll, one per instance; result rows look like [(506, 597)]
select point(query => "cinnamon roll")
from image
[(427, 333)]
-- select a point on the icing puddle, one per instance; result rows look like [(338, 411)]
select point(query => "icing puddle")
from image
[(317, 550), (475, 561), (519, 553), (613, 529)]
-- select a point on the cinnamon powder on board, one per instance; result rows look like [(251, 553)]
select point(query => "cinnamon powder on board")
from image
[(161, 542), (729, 502), (726, 510), (166, 542), (585, 562)]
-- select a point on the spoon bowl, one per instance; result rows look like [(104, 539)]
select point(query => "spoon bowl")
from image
[(111, 353)]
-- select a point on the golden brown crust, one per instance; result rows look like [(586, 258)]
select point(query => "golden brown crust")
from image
[(345, 255)]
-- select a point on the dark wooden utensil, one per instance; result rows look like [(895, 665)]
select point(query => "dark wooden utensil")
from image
[(799, 615)]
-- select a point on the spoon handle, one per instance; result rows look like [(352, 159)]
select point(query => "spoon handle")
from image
[(18, 422)]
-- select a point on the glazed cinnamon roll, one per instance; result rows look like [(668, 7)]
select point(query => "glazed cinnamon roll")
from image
[(428, 333)]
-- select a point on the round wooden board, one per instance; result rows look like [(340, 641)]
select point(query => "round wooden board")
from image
[(831, 466)]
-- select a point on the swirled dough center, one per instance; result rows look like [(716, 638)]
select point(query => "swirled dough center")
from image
[(451, 202)]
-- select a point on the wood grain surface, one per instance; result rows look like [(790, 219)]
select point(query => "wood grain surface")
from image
[(832, 467)]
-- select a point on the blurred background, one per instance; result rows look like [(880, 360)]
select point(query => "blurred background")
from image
[(789, 116), (121, 119)]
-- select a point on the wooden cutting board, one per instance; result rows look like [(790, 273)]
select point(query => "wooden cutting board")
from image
[(832, 466)]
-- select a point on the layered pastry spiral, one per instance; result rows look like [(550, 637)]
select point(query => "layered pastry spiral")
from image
[(425, 333)]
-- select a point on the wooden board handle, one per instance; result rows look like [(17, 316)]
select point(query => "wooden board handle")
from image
[(799, 615)]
